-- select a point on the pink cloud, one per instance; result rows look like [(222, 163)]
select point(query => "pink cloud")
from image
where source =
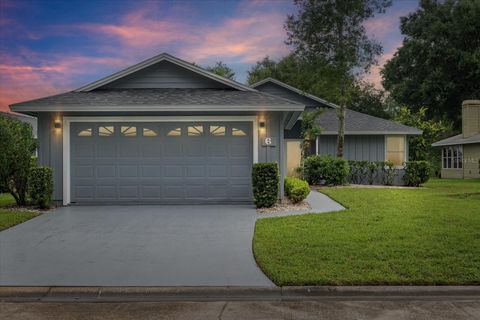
[(21, 80), (248, 37), (245, 39), (374, 76), (254, 32)]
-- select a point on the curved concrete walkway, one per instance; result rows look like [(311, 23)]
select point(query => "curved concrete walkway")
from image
[(319, 203), (184, 245)]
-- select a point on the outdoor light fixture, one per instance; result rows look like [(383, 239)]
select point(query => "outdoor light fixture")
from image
[(57, 124), (262, 124)]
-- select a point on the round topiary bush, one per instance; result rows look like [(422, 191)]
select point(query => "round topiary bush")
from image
[(296, 189)]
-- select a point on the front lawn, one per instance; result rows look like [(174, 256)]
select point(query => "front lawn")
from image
[(10, 216), (426, 236)]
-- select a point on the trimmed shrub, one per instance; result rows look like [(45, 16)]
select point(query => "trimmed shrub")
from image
[(358, 171), (265, 184), (296, 189), (40, 186), (389, 172), (372, 171), (416, 173), (326, 169)]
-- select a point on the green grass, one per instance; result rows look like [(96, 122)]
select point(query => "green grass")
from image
[(6, 200), (425, 236), (9, 217)]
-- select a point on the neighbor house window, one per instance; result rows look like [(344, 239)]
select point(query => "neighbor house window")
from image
[(396, 150), (452, 157), (294, 156), (129, 131), (85, 132), (105, 131), (217, 130), (194, 131)]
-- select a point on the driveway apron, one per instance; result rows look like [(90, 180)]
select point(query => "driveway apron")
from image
[(205, 245)]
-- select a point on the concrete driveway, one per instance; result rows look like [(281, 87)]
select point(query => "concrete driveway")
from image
[(207, 245)]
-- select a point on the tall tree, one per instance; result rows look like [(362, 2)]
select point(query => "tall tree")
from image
[(222, 69), (17, 146), (438, 65), (334, 32), (321, 80), (420, 147), (370, 100), (315, 77)]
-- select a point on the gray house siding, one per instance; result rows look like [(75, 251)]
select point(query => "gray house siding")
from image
[(361, 148), (357, 147), (165, 75), (50, 149)]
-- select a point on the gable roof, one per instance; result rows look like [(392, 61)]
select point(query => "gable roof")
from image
[(159, 100), (159, 58), (323, 102), (357, 123), (457, 140)]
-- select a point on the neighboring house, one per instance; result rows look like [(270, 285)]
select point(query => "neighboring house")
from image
[(167, 131), (461, 153), (24, 118), (366, 137)]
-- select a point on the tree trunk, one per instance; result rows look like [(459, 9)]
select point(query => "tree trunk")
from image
[(341, 130)]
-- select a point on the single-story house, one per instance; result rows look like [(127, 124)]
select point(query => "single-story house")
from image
[(461, 153), (366, 137), (167, 131)]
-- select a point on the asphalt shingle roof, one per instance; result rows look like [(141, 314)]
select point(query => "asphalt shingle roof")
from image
[(358, 123), (458, 139), (159, 97)]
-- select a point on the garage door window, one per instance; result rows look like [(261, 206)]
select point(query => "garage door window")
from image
[(129, 131), (195, 131), (217, 130), (236, 132), (177, 132), (106, 131), (147, 132), (85, 132)]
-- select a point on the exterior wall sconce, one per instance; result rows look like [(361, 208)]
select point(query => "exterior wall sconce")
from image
[(261, 124), (57, 124)]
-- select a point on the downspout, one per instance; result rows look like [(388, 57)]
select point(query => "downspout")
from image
[(282, 154)]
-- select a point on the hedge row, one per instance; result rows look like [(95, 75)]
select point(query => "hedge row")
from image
[(329, 170)]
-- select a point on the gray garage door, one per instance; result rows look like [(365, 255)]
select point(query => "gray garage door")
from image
[(161, 162)]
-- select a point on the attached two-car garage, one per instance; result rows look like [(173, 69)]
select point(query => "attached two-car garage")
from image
[(160, 162)]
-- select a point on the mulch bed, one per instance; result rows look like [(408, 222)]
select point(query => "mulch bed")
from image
[(284, 206)]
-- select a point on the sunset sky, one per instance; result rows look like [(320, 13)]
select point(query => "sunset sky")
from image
[(48, 47)]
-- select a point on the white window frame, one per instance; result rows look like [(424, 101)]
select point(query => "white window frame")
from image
[(459, 160), (67, 120), (405, 147)]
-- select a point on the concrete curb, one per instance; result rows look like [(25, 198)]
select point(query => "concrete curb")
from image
[(117, 294)]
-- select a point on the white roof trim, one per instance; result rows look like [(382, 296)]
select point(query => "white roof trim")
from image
[(392, 133), (163, 57), (457, 140), (178, 108), (298, 91)]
